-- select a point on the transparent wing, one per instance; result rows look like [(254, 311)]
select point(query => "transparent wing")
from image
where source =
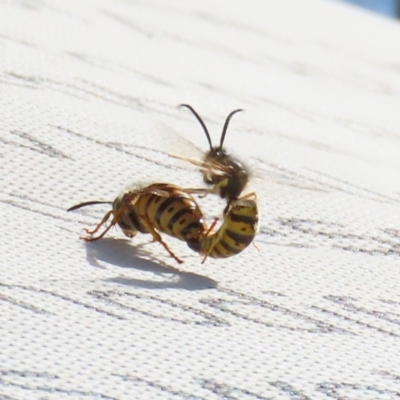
[(262, 171)]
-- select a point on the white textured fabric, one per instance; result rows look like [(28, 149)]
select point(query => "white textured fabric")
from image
[(89, 91)]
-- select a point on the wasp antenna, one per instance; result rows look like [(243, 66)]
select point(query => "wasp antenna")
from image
[(201, 122), (88, 203), (228, 118)]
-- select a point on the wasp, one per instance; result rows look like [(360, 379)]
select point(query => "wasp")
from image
[(227, 175), (237, 231), (159, 207)]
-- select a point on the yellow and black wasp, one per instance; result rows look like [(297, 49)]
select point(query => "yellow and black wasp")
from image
[(166, 208), (159, 207), (228, 177), (169, 209)]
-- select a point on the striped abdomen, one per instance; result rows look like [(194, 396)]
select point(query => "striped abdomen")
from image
[(236, 232), (176, 213)]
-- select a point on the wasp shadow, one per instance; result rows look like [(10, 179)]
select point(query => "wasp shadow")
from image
[(120, 253)]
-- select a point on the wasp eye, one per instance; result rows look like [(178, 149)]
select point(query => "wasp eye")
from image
[(194, 244)]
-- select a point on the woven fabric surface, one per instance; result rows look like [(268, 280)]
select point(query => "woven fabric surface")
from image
[(89, 100)]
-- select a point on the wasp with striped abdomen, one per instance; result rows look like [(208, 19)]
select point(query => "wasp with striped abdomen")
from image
[(159, 207), (228, 177)]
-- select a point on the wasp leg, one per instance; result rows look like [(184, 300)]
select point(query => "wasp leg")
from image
[(206, 234), (254, 244), (102, 222), (251, 195), (157, 238), (202, 192)]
